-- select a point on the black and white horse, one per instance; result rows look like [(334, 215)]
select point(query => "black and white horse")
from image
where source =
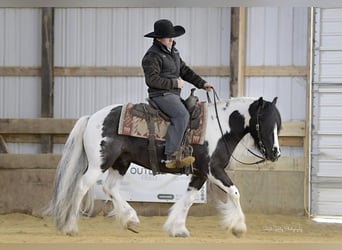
[(94, 147)]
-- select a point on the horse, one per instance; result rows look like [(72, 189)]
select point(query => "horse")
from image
[(94, 147)]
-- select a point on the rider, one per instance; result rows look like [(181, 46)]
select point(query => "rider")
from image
[(164, 73)]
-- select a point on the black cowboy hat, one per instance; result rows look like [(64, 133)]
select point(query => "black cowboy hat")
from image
[(163, 28)]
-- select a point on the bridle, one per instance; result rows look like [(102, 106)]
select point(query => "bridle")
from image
[(257, 127), (259, 135)]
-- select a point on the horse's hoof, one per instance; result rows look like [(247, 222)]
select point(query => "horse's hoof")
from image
[(133, 225), (182, 235), (239, 231), (72, 233), (69, 231), (133, 228)]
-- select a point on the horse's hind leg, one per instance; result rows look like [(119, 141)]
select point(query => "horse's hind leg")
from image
[(125, 214), (175, 223), (86, 182)]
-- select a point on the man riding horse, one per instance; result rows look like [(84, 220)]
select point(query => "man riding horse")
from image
[(164, 73)]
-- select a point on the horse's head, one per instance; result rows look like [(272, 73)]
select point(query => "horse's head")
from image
[(265, 123)]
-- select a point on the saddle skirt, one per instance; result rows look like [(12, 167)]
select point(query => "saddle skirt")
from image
[(136, 126)]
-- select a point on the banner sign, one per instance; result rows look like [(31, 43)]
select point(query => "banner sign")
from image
[(139, 184)]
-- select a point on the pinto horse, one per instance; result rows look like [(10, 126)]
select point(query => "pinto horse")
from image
[(94, 146)]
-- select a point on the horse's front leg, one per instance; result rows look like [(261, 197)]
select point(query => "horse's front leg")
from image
[(175, 223), (231, 211), (125, 214)]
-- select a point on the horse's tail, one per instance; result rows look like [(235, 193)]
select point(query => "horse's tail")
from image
[(71, 167)]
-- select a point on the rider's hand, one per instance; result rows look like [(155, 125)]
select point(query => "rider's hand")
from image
[(207, 86), (180, 83)]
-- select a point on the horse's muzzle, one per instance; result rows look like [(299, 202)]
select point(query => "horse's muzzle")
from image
[(275, 154)]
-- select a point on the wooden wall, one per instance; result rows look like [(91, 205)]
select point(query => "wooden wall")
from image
[(26, 179)]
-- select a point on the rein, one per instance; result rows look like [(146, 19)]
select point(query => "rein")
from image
[(262, 159)]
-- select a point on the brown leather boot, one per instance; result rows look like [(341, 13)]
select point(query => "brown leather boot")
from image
[(171, 161)]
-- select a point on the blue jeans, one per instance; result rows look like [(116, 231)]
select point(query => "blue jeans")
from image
[(174, 108)]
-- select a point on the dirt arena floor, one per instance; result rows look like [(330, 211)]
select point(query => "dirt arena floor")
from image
[(22, 228)]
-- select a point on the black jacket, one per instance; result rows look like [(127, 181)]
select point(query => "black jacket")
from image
[(162, 68)]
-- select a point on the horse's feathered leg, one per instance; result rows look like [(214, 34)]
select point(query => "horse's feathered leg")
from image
[(82, 193), (125, 214), (175, 223), (231, 211)]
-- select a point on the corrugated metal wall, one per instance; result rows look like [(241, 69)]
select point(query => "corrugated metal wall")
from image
[(20, 45), (20, 42), (278, 36), (114, 37), (326, 171)]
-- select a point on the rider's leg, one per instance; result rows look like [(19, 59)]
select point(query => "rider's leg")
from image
[(174, 108)]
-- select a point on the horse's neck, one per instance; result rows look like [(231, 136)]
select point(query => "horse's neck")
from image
[(224, 111), (240, 104)]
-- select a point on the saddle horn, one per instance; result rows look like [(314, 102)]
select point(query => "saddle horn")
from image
[(191, 101)]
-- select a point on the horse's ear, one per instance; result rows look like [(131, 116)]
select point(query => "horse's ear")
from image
[(275, 100), (261, 102)]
